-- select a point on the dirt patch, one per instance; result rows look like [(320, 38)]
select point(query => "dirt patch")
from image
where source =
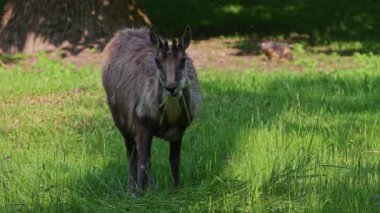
[(239, 54), (225, 54), (216, 53)]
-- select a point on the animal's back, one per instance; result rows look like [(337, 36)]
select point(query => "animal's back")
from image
[(128, 65), (127, 47)]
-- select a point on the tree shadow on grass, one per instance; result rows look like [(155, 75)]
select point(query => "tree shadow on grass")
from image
[(322, 19), (310, 22), (367, 47), (249, 45), (212, 140)]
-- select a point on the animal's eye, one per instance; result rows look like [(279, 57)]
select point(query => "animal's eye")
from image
[(157, 60), (183, 60), (182, 63)]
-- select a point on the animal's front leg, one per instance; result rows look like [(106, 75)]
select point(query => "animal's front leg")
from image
[(174, 158), (132, 168), (144, 143)]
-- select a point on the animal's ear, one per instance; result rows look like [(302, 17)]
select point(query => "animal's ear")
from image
[(154, 39), (184, 40)]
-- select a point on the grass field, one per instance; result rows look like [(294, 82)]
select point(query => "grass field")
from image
[(281, 141)]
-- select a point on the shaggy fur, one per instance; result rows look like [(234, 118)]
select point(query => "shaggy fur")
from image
[(140, 105)]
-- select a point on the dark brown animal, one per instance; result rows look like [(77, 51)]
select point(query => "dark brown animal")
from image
[(276, 50), (152, 90)]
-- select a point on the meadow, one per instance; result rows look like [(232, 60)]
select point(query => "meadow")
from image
[(279, 141)]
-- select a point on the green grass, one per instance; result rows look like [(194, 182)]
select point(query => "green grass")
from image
[(279, 141)]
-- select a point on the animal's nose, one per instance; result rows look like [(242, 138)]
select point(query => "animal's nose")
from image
[(171, 88)]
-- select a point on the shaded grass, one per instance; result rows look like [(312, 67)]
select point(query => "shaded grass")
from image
[(322, 20), (342, 27), (283, 141)]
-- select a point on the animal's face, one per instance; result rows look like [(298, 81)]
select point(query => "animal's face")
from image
[(172, 71), (171, 62)]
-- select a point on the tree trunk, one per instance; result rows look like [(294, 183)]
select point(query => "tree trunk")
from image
[(30, 26)]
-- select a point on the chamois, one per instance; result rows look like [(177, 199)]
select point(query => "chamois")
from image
[(152, 90)]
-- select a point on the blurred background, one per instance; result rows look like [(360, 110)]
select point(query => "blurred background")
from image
[(320, 20), (300, 135), (33, 25)]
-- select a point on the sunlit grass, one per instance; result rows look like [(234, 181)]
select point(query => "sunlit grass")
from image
[(283, 141)]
